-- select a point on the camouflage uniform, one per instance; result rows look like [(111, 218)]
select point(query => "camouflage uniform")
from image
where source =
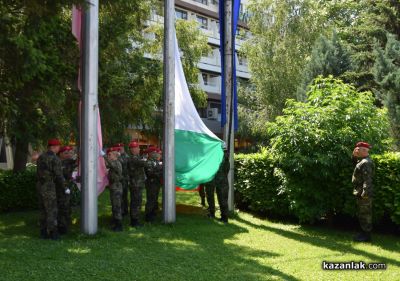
[(362, 182), (115, 186), (49, 177), (123, 158), (63, 200), (137, 179), (153, 169), (220, 184), (202, 194)]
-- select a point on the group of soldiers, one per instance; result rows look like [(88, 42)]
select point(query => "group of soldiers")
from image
[(54, 184), (131, 174), (127, 174)]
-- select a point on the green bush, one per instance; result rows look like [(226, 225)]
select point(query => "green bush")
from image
[(18, 191), (312, 143), (387, 186), (258, 185)]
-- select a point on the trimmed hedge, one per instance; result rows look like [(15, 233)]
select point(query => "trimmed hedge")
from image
[(18, 191), (387, 186), (260, 186)]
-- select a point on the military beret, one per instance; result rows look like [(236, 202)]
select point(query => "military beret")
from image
[(65, 148), (111, 149), (363, 144), (151, 149), (133, 144), (53, 142)]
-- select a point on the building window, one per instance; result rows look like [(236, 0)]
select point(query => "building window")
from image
[(204, 2), (242, 60), (203, 22), (215, 105), (205, 78), (180, 14), (209, 79)]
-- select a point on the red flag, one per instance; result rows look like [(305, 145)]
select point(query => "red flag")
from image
[(77, 23), (102, 179)]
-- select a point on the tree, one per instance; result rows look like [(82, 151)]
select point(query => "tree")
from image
[(328, 57), (387, 76), (37, 67), (252, 114), (283, 33), (313, 142), (360, 24), (129, 84)]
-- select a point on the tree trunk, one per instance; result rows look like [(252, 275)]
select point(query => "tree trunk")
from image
[(21, 155)]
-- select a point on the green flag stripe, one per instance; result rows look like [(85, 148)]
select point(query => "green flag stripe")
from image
[(197, 158)]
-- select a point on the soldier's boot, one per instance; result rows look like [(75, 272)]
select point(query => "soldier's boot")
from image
[(203, 201), (118, 226), (363, 237), (54, 235), (135, 223), (211, 215), (224, 219), (44, 234)]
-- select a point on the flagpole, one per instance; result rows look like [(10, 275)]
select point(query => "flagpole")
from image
[(169, 208), (229, 125), (89, 149)]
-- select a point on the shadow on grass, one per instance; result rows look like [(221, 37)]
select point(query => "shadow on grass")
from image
[(194, 248), (330, 242)]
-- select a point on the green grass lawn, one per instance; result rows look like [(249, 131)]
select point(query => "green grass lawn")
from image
[(194, 248)]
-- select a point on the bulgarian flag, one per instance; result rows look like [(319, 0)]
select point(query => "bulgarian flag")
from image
[(198, 151)]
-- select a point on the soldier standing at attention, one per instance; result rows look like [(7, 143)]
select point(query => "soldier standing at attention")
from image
[(115, 186), (49, 177), (63, 199), (219, 183), (137, 179), (362, 182), (154, 170), (123, 157)]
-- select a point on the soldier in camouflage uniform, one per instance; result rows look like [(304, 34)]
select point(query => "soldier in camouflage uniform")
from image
[(115, 177), (137, 179), (49, 177), (220, 184), (363, 190), (153, 169), (63, 199), (123, 157)]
